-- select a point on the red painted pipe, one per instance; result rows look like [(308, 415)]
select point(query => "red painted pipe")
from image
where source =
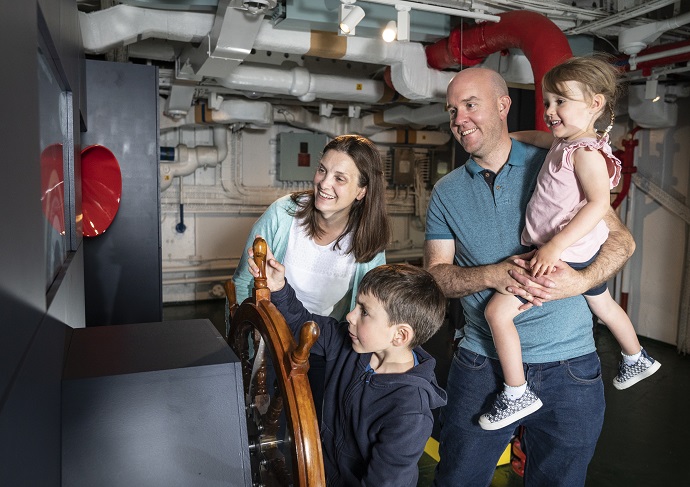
[(542, 42), (628, 168)]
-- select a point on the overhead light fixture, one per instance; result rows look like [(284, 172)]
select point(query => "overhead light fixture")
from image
[(403, 22), (390, 32), (651, 89), (351, 15)]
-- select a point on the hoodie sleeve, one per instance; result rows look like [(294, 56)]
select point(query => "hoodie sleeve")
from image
[(296, 315), (398, 448)]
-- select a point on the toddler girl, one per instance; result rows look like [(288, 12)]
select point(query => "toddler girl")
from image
[(564, 221)]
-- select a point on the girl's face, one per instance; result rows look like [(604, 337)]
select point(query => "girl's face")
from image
[(573, 116), (336, 184)]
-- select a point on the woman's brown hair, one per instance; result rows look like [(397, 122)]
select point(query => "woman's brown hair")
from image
[(368, 219)]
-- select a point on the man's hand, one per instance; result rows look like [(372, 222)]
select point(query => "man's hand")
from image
[(510, 276), (536, 290), (275, 271), (567, 282), (564, 282)]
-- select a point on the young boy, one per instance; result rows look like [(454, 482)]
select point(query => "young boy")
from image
[(380, 384)]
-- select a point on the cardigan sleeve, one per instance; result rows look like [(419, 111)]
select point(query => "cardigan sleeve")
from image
[(273, 226)]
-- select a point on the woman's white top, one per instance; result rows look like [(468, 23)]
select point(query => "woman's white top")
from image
[(321, 277)]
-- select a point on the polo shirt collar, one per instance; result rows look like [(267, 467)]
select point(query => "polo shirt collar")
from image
[(516, 158)]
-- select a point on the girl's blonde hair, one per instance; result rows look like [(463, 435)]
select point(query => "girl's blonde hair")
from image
[(595, 74)]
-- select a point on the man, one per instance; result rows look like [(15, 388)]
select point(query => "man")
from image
[(474, 221)]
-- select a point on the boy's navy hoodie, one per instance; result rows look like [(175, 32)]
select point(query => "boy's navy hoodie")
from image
[(374, 426)]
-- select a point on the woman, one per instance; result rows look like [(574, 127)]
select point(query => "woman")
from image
[(328, 237)]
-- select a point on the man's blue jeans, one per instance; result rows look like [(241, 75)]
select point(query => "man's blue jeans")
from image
[(559, 438)]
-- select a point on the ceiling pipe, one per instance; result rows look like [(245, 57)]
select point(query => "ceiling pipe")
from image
[(122, 25), (627, 158), (306, 86), (411, 76), (663, 55), (632, 41), (524, 30), (368, 125), (186, 160), (227, 112)]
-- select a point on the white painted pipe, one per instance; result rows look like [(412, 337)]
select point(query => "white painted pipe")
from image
[(259, 113), (122, 25), (410, 73), (187, 159), (185, 163), (155, 49), (659, 55), (204, 266), (196, 280), (368, 125), (299, 82), (236, 110), (411, 137)]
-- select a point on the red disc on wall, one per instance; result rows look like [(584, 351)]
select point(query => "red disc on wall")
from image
[(101, 188)]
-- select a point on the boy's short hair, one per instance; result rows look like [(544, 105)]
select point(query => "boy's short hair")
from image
[(409, 295)]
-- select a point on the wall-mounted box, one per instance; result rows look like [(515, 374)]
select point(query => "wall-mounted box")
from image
[(403, 166), (299, 155), (441, 164)]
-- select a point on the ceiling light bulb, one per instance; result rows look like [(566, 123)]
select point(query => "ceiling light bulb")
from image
[(350, 21), (390, 31)]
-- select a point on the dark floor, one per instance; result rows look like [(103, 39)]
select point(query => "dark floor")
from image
[(646, 435)]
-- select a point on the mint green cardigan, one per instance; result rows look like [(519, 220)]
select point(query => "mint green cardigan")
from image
[(274, 226)]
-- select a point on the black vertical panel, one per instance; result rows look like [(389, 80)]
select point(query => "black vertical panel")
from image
[(521, 114), (123, 265)]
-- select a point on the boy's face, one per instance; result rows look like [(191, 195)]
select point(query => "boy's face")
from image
[(369, 325)]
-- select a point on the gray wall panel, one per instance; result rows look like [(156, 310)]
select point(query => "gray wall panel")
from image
[(31, 344)]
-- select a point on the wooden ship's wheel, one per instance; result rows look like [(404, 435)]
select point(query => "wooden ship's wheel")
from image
[(284, 443)]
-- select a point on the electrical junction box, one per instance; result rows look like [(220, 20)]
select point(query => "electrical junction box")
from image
[(441, 164), (403, 166), (299, 155)]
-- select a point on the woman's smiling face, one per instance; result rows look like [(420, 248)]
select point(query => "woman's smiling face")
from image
[(336, 184)]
